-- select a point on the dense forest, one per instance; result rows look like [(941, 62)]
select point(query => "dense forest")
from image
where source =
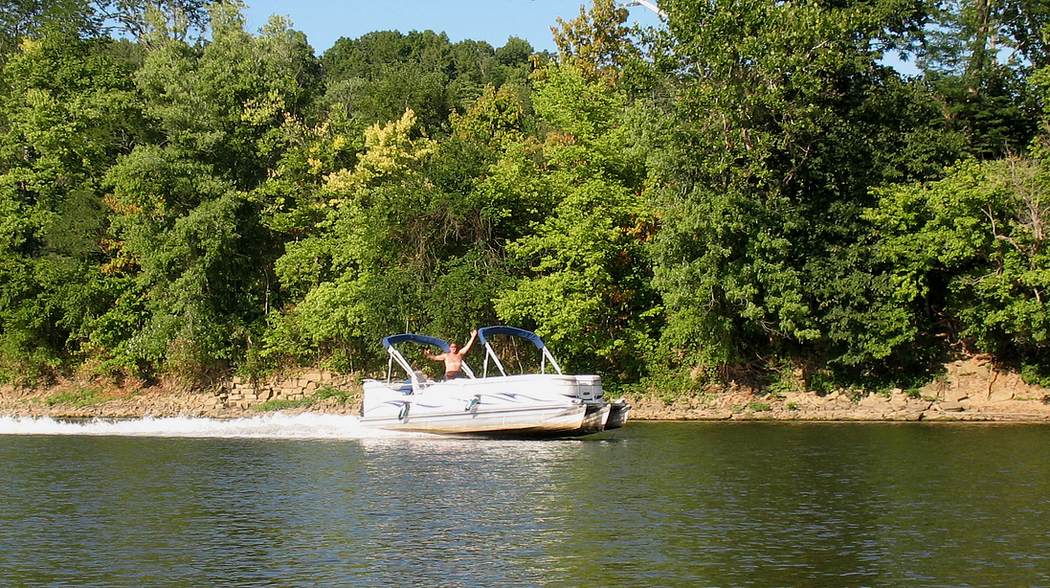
[(746, 192)]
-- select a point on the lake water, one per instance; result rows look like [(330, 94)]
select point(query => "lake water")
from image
[(315, 500)]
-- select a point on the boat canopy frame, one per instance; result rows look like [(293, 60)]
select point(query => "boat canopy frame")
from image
[(545, 354), (395, 356)]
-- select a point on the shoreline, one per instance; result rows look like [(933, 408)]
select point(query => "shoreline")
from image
[(971, 390), (896, 407), (730, 407)]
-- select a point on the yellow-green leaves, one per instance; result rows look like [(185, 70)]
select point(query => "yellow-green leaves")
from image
[(390, 150)]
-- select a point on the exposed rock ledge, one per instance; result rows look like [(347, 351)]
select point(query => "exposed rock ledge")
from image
[(971, 390), (298, 391)]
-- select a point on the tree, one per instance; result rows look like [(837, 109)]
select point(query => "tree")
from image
[(972, 37), (349, 280), (69, 112), (585, 272), (189, 237), (379, 75), (148, 21), (978, 53), (973, 248), (27, 18), (780, 130), (597, 42)]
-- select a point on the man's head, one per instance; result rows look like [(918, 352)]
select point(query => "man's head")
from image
[(453, 347)]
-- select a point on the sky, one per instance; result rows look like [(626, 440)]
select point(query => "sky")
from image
[(482, 20), (493, 21)]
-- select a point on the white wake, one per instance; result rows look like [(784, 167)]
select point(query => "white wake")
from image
[(270, 426)]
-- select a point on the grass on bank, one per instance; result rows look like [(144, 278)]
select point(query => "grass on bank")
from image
[(76, 397), (283, 404), (323, 393)]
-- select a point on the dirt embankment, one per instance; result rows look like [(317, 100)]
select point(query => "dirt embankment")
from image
[(971, 390), (298, 391)]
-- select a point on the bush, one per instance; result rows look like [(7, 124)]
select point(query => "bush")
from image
[(1035, 374)]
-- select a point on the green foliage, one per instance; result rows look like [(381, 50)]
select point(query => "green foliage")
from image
[(31, 18), (279, 404), (785, 380), (328, 392), (821, 381), (760, 251), (67, 112), (669, 384), (587, 283), (972, 247), (597, 42), (378, 76), (1038, 375), (323, 393), (187, 236), (745, 194), (995, 115), (971, 37)]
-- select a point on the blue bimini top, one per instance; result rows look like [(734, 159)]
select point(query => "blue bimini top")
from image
[(392, 340), (513, 332)]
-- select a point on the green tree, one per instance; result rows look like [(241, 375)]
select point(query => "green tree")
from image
[(781, 127), (144, 19), (69, 112), (976, 55), (20, 19), (190, 235), (586, 274), (970, 37), (972, 249), (411, 236), (378, 76), (347, 279), (597, 42)]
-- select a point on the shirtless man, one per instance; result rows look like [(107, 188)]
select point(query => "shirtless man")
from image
[(454, 358)]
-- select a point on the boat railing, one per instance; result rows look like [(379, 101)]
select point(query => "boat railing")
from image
[(490, 353), (417, 379)]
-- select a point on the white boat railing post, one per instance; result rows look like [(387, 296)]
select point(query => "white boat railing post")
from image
[(490, 353), (547, 355), (395, 356)]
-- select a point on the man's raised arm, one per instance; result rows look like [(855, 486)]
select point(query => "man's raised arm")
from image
[(466, 348)]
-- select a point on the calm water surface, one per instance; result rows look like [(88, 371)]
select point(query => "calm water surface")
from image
[(657, 504)]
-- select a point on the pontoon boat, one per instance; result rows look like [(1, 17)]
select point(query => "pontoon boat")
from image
[(527, 404)]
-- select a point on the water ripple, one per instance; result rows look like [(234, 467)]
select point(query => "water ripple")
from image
[(263, 503)]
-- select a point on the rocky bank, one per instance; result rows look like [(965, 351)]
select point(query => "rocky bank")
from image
[(970, 390)]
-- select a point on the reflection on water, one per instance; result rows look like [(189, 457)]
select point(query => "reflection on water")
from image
[(660, 504)]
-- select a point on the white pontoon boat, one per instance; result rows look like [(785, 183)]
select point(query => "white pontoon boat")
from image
[(527, 404)]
